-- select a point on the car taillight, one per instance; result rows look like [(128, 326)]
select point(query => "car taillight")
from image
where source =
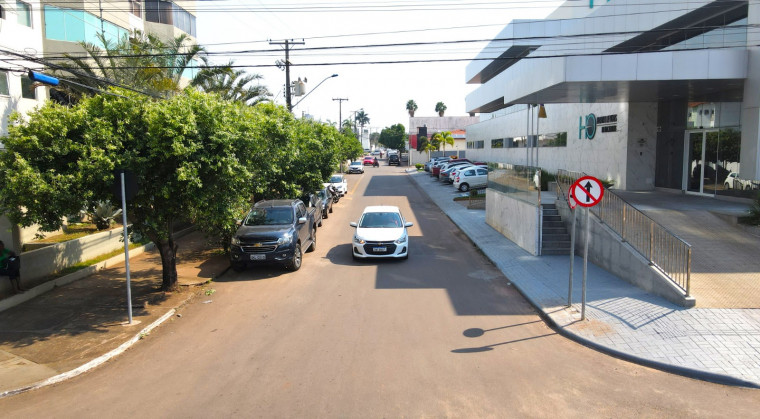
[(457, 179)]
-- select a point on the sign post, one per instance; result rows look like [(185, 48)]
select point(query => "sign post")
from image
[(587, 192), (572, 204), (126, 188)]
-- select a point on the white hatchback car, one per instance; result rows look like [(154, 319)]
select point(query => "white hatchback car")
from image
[(338, 181), (380, 233), (471, 177)]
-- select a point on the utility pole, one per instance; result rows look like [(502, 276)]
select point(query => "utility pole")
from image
[(288, 43), (340, 114)]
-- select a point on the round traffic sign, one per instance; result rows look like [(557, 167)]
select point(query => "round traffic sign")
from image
[(571, 201), (587, 191)]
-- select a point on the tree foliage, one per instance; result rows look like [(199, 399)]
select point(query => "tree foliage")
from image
[(440, 108), (231, 84), (443, 138), (411, 107), (141, 61), (393, 137), (195, 157)]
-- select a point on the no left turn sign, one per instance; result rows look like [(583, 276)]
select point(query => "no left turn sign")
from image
[(587, 191)]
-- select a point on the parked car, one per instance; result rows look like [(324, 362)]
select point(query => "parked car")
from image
[(433, 161), (274, 231), (436, 170), (327, 201), (471, 177), (733, 181), (393, 159), (368, 160), (443, 171), (340, 183), (380, 233), (453, 172), (356, 167), (313, 200)]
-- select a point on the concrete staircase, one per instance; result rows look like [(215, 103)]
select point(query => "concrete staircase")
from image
[(555, 240)]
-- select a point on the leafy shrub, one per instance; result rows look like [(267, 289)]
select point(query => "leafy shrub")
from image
[(104, 214), (753, 216)]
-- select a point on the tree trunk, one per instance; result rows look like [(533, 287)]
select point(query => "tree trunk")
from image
[(168, 251), (440, 113), (411, 113)]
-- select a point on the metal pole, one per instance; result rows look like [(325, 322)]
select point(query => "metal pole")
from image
[(585, 265), (572, 261), (527, 134), (126, 245)]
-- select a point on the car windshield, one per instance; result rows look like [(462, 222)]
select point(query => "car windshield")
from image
[(322, 194), (356, 163), (269, 216), (336, 179), (381, 220)]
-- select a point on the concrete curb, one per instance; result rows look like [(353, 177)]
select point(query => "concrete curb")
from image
[(97, 361), (675, 369)]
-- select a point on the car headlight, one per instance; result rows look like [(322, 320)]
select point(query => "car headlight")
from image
[(402, 239), (235, 241), (286, 239), (359, 240)]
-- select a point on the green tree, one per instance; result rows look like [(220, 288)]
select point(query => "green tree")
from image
[(361, 118), (411, 107), (394, 137), (141, 61), (440, 108), (231, 84), (443, 138), (422, 143)]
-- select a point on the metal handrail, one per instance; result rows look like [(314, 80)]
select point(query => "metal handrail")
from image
[(662, 248)]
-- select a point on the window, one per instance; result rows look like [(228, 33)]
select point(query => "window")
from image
[(4, 83), (78, 26), (158, 11), (28, 90), (134, 7), (497, 143), (24, 12), (184, 21)]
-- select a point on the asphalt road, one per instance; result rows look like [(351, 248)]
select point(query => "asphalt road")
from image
[(440, 335)]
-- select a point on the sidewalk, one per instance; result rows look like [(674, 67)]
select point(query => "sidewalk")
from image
[(73, 328), (719, 345)]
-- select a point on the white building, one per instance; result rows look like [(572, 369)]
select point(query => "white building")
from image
[(646, 93), (37, 29)]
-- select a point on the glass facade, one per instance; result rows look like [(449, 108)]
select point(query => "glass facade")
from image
[(79, 26), (731, 35)]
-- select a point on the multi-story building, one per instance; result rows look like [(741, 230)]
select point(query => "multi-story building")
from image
[(645, 93), (46, 28)]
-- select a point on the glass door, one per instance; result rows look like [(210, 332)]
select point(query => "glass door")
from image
[(701, 161)]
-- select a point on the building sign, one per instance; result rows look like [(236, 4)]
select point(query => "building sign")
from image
[(588, 125), (591, 3)]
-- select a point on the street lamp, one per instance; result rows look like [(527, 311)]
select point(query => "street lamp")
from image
[(315, 88)]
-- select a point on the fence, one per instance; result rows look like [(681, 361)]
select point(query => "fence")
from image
[(663, 249)]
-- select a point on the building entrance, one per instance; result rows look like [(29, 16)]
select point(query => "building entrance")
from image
[(711, 158)]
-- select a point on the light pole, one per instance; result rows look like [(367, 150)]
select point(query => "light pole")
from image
[(315, 88)]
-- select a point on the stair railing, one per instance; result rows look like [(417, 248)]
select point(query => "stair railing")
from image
[(664, 250)]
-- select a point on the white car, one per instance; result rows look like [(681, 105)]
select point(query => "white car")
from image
[(380, 233), (339, 182), (356, 167), (471, 177), (733, 181)]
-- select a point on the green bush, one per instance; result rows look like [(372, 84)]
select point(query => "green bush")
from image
[(754, 213), (419, 166)]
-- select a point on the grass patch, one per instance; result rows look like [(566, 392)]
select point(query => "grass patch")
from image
[(81, 265), (73, 232)]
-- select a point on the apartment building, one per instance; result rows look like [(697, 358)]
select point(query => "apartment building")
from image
[(48, 28), (645, 93)]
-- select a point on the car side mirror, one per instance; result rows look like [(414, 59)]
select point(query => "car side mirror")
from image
[(302, 220), (353, 224), (408, 224)]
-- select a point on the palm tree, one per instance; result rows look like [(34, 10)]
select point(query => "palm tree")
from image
[(362, 119), (231, 84), (440, 108), (444, 138), (142, 61), (411, 106)]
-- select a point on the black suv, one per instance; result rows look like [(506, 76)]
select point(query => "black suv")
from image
[(393, 159)]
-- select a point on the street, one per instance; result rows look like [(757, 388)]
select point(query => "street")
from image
[(442, 334)]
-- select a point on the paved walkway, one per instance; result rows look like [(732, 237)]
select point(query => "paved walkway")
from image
[(46, 337), (720, 345)]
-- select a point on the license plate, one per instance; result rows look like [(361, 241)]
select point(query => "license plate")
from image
[(258, 257), (380, 249)]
